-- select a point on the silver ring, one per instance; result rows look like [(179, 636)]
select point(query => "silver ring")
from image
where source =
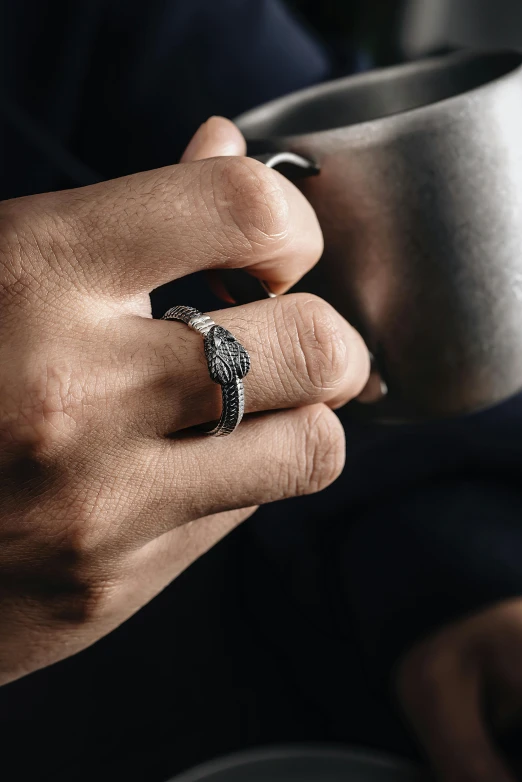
[(228, 363)]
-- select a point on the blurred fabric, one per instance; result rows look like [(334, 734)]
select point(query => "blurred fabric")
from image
[(94, 89)]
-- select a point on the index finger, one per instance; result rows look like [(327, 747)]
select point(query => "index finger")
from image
[(131, 235)]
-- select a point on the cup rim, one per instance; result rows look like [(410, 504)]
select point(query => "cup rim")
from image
[(238, 760), (381, 76)]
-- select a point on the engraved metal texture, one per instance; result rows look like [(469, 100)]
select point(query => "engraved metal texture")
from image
[(228, 363)]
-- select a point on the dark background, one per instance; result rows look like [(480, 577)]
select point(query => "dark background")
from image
[(369, 25)]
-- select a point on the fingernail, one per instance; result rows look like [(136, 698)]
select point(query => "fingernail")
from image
[(266, 287), (376, 388), (195, 144)]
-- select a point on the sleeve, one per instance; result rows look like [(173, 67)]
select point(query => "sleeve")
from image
[(163, 73), (258, 50), (444, 544)]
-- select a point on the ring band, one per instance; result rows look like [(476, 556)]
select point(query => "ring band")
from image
[(228, 363)]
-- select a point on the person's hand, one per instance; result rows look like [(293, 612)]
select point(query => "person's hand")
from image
[(461, 687), (99, 507)]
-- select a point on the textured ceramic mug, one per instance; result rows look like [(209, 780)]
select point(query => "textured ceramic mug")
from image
[(419, 195)]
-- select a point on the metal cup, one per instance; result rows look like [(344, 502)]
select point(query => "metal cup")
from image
[(419, 196)]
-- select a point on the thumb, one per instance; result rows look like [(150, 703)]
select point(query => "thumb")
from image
[(443, 705), (216, 137)]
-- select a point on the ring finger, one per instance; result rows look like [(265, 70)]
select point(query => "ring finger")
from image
[(302, 352)]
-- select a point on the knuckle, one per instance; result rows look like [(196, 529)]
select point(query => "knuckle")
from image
[(310, 330), (250, 199), (68, 589), (48, 557), (42, 415), (321, 456), (64, 567), (81, 600)]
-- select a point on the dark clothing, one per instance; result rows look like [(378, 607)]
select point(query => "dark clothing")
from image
[(121, 85), (289, 629)]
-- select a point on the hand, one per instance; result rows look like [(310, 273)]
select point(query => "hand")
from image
[(460, 686), (99, 507)]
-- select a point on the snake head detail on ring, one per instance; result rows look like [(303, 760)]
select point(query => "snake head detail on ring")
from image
[(227, 358)]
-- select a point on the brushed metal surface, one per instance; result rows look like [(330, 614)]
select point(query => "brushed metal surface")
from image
[(419, 197)]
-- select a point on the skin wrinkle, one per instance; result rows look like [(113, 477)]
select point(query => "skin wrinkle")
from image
[(192, 206), (46, 247), (248, 194), (270, 366), (157, 506), (88, 218), (298, 352), (20, 284), (293, 455), (189, 201), (12, 250), (301, 350), (64, 248), (278, 351)]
